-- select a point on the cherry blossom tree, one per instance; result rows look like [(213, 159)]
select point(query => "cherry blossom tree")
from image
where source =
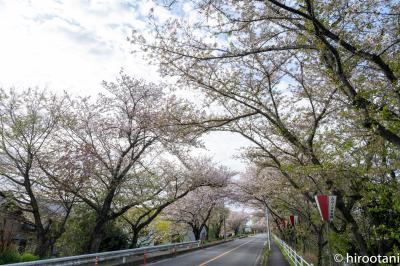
[(265, 188), (258, 222), (341, 43), (178, 182), (195, 210), (237, 221), (295, 79), (114, 144), (29, 120)]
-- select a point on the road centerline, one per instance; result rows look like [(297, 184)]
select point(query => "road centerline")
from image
[(223, 254)]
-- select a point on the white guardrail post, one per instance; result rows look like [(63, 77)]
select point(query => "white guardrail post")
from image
[(104, 257), (292, 254)]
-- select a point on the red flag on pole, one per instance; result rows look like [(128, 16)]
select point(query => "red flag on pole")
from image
[(326, 206), (294, 219)]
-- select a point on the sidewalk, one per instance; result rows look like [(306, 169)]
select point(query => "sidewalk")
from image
[(276, 257)]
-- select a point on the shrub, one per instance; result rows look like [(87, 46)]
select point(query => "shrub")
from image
[(12, 256), (9, 256), (28, 257)]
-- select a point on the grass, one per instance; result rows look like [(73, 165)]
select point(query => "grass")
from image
[(265, 255)]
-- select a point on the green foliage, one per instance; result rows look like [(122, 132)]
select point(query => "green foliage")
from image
[(28, 257), (212, 232), (340, 243), (9, 256), (216, 220), (161, 230), (79, 227), (114, 238), (12, 256), (77, 234), (382, 203)]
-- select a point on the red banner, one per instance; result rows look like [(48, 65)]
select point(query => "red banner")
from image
[(326, 206), (294, 219)]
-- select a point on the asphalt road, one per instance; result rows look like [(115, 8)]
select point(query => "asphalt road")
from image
[(240, 252)]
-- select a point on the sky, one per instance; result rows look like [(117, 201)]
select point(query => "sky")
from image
[(73, 45)]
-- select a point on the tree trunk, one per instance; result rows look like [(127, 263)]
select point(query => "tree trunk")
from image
[(97, 236), (41, 250), (135, 238), (320, 246), (353, 224), (43, 246), (196, 233), (218, 230), (102, 218), (43, 243)]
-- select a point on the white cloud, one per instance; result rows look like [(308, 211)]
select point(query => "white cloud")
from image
[(70, 45), (223, 146)]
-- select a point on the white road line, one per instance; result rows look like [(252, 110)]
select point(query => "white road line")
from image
[(223, 254)]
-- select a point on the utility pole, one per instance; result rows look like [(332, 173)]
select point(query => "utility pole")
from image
[(268, 231)]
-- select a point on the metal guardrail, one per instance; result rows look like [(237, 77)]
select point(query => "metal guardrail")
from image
[(294, 257), (105, 258)]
